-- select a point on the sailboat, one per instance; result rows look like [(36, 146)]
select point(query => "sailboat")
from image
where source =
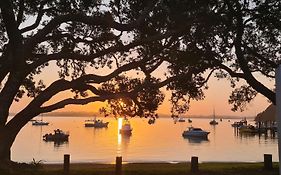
[(214, 122), (39, 122)]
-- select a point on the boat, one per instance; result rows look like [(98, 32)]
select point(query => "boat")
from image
[(239, 124), (195, 132), (126, 128), (251, 129), (58, 135), (39, 123), (96, 123), (181, 120), (214, 122)]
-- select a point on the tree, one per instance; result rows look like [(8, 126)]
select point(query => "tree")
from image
[(192, 39)]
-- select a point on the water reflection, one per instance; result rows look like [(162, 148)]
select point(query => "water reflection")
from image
[(196, 140), (269, 135), (125, 141), (122, 139), (57, 144)]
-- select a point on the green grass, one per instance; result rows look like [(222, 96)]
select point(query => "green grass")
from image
[(147, 169)]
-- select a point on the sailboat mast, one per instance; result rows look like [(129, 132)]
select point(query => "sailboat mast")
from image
[(214, 115)]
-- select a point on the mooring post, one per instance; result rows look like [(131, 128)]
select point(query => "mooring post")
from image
[(66, 161), (118, 166), (194, 164), (268, 162)]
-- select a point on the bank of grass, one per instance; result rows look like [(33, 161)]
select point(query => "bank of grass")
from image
[(147, 169)]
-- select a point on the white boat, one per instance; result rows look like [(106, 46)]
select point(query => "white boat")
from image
[(96, 123), (181, 120), (195, 132), (126, 128), (39, 123), (58, 135)]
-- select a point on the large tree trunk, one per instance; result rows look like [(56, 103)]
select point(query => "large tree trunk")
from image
[(6, 141)]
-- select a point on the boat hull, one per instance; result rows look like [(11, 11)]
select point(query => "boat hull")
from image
[(125, 131), (202, 134), (52, 137), (40, 123), (97, 125), (57, 136)]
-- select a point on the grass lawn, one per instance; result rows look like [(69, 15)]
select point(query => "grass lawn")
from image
[(145, 169)]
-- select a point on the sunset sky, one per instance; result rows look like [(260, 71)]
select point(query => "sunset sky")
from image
[(216, 98)]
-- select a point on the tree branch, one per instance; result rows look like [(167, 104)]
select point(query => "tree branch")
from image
[(259, 56), (10, 23), (43, 58), (37, 21), (259, 87), (105, 21), (231, 72), (20, 13)]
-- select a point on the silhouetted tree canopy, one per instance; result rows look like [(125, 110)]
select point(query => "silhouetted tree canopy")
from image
[(188, 40)]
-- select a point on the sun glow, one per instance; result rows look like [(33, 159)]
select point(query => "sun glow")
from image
[(119, 136), (120, 120)]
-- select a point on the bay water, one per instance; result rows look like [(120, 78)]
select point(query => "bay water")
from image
[(159, 142)]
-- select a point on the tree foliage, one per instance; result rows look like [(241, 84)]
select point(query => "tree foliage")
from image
[(192, 39)]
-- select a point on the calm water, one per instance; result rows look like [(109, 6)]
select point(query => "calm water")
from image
[(150, 143)]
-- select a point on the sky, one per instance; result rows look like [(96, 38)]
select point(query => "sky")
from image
[(216, 99)]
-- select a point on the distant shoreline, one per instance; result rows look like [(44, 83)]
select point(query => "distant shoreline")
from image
[(88, 114)]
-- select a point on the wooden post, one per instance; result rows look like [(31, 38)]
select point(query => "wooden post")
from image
[(66, 161), (268, 162), (118, 166), (194, 164)]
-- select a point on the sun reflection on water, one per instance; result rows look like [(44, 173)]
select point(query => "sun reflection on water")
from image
[(119, 136)]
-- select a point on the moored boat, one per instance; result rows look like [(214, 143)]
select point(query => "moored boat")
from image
[(240, 123), (251, 129), (58, 135), (39, 123), (195, 132), (96, 123), (126, 128), (181, 120), (213, 122)]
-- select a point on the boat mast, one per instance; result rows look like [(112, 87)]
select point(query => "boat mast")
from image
[(214, 115)]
